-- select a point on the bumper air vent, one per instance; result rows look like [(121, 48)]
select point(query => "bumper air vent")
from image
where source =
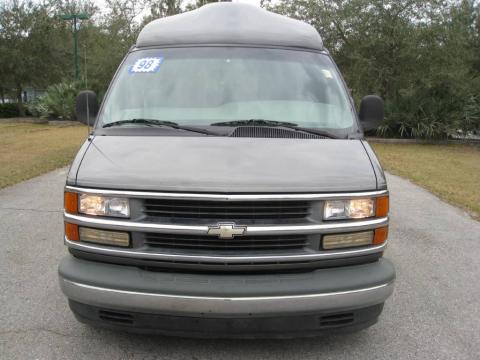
[(336, 320), (115, 316)]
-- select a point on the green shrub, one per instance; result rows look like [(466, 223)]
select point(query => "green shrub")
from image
[(8, 110), (432, 112), (37, 108), (57, 102), (469, 116)]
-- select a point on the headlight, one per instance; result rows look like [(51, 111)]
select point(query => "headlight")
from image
[(104, 206), (349, 209)]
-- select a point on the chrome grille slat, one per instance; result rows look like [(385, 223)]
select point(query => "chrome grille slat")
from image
[(284, 229), (232, 205), (226, 197)]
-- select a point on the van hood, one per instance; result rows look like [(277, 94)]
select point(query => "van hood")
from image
[(224, 164)]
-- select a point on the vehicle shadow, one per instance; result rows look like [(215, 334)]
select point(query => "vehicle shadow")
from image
[(144, 346)]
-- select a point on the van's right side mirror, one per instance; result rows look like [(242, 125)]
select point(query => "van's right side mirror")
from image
[(86, 107), (372, 112)]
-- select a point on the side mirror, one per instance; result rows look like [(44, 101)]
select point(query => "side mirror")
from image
[(372, 112), (86, 108)]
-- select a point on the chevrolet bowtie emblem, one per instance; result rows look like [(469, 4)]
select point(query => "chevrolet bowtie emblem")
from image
[(226, 231)]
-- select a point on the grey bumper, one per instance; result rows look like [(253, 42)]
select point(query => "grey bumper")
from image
[(132, 289)]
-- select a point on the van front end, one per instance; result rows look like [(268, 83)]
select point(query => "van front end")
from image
[(226, 189), (299, 275)]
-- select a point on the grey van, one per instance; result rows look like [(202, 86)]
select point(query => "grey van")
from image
[(226, 189)]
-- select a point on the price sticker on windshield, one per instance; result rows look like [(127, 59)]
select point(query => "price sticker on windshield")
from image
[(146, 65)]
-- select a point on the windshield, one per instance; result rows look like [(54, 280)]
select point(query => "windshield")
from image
[(201, 86)]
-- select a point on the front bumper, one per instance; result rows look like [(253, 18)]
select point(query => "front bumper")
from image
[(131, 289)]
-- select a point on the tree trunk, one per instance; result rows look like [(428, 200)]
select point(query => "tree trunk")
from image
[(2, 94), (171, 7), (21, 108)]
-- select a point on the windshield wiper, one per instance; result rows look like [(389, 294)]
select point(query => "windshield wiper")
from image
[(154, 122), (285, 124), (254, 122), (141, 121)]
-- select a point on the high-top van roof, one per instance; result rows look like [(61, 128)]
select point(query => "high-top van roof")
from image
[(229, 24)]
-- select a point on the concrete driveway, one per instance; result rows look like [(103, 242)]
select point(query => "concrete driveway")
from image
[(433, 314)]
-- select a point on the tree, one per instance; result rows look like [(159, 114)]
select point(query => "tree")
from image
[(418, 55), (109, 38), (199, 3), (29, 53), (162, 8)]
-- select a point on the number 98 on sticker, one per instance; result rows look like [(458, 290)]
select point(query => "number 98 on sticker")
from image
[(146, 65)]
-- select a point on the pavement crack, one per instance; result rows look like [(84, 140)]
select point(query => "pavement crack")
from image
[(40, 329), (34, 210)]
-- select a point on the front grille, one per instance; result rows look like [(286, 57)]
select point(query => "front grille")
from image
[(199, 242), (228, 232), (227, 210)]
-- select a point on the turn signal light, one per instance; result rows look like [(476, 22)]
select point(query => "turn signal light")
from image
[(382, 206), (381, 235), (71, 202), (71, 232)]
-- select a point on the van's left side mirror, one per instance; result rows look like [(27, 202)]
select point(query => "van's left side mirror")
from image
[(86, 108), (372, 112)]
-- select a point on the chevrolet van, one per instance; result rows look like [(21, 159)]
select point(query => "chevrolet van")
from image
[(226, 188)]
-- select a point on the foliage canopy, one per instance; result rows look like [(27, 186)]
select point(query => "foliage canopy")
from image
[(422, 57)]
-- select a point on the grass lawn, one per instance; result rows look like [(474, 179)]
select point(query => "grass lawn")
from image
[(28, 150), (452, 172)]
